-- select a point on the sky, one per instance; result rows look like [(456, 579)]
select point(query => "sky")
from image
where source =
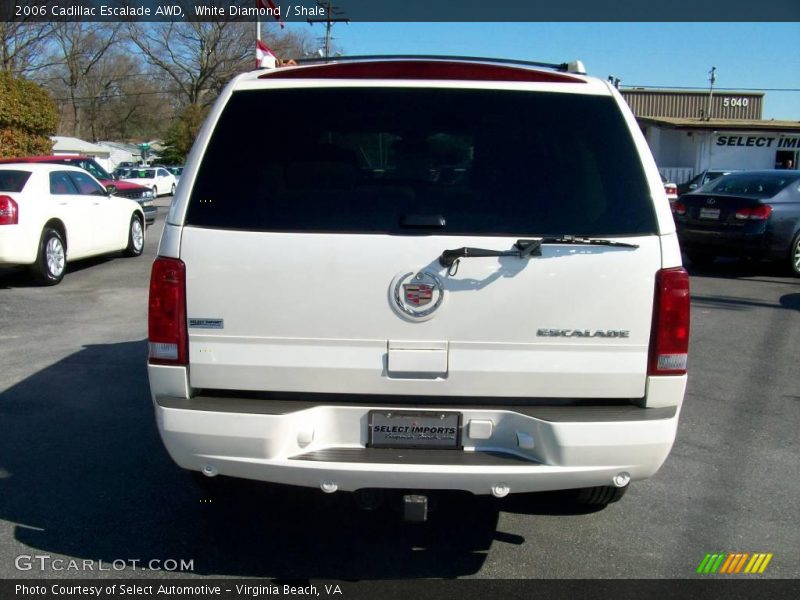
[(748, 56)]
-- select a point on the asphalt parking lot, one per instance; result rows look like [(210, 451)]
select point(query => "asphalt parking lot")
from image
[(83, 474)]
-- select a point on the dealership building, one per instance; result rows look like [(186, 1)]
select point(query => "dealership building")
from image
[(689, 131)]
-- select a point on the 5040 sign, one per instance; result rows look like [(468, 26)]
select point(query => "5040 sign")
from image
[(735, 102)]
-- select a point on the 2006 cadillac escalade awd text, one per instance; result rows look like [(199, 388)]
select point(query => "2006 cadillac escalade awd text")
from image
[(434, 274)]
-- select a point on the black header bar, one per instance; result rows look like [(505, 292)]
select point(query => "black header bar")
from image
[(402, 11)]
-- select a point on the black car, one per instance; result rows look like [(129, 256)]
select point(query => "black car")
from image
[(748, 214)]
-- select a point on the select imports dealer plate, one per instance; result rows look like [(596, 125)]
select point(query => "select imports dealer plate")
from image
[(419, 429)]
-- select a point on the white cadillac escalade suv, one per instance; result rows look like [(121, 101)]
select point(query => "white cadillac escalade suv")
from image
[(426, 274)]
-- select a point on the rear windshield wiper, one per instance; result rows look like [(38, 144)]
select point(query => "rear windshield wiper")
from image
[(523, 249), (526, 248), (576, 239)]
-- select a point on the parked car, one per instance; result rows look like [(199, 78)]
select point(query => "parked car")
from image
[(176, 171), (328, 324), (670, 189), (53, 214), (701, 179), (157, 179), (750, 213), (142, 195)]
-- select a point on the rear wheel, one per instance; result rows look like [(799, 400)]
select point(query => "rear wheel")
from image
[(599, 497), (172, 191), (155, 191), (135, 237), (701, 259), (794, 256), (51, 260)]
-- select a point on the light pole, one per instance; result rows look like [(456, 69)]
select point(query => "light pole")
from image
[(712, 78)]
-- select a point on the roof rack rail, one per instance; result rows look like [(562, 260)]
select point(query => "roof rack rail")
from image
[(574, 66)]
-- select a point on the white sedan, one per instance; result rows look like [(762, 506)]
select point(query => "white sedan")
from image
[(52, 214), (157, 179)]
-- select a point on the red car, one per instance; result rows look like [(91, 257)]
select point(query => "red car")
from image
[(142, 195)]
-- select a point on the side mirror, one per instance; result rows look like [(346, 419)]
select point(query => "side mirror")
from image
[(111, 190)]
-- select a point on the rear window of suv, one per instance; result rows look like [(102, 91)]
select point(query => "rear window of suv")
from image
[(389, 160)]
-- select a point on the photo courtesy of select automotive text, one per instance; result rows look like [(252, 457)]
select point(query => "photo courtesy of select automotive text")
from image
[(370, 299)]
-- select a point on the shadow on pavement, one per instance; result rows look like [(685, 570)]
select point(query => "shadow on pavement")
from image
[(20, 277), (83, 474)]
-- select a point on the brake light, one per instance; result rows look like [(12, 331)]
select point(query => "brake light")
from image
[(9, 211), (671, 189), (755, 213), (669, 340), (679, 208), (166, 322)]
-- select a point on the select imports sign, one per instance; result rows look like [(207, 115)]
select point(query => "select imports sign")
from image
[(777, 142)]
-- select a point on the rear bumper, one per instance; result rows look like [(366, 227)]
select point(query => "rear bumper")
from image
[(17, 246), (728, 243), (530, 448), (759, 244)]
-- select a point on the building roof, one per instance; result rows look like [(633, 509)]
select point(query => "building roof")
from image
[(726, 124), (78, 146), (677, 91)]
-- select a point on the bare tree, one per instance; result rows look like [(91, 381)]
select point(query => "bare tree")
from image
[(23, 46), (198, 57), (81, 48)]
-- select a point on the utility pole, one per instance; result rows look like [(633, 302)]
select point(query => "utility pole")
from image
[(332, 15), (712, 78)]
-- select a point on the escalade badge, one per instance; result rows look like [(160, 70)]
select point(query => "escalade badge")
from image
[(416, 296)]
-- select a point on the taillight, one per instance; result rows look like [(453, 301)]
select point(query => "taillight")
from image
[(671, 189), (755, 213), (669, 340), (679, 208), (9, 211), (166, 322)]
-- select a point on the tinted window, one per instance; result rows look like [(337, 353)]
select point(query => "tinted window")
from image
[(60, 183), (94, 169), (751, 184), (365, 160), (86, 185), (13, 181), (162, 173)]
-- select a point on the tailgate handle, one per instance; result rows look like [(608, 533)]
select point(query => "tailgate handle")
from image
[(414, 359)]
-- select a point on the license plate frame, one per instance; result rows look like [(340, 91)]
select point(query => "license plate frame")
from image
[(404, 437), (711, 214)]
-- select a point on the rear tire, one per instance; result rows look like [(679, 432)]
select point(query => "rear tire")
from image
[(135, 237), (172, 191), (155, 191), (794, 256), (51, 261), (599, 497), (701, 259)]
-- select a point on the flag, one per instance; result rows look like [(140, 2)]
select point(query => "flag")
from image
[(265, 58), (272, 9)]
